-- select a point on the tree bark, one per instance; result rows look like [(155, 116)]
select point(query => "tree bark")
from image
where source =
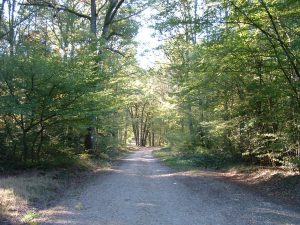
[(153, 139), (2, 12), (25, 146), (114, 6), (93, 17), (190, 123), (11, 36)]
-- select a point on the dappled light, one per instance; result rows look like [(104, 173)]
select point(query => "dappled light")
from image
[(140, 160)]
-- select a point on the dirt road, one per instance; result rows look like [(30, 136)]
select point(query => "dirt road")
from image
[(142, 191)]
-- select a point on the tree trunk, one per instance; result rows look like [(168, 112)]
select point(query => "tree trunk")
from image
[(88, 141), (190, 124), (25, 146), (111, 12), (153, 139), (93, 17), (142, 130), (11, 36), (149, 140), (125, 130), (39, 148), (145, 130), (2, 12)]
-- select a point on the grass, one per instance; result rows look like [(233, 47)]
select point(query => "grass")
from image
[(175, 159), (18, 194), (29, 217), (192, 160)]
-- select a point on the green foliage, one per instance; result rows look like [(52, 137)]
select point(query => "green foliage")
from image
[(296, 163), (61, 80), (235, 69), (62, 158), (200, 158), (230, 90), (29, 217), (174, 159), (40, 92)]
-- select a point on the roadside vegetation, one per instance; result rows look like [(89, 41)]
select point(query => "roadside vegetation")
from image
[(184, 160), (23, 193), (234, 69)]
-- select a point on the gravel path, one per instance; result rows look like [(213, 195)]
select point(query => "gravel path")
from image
[(142, 191)]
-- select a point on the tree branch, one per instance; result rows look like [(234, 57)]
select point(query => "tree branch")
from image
[(17, 24), (101, 7), (115, 51), (56, 7), (116, 10), (129, 16), (281, 42), (110, 14)]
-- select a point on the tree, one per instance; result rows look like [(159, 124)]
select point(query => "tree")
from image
[(62, 63), (239, 77)]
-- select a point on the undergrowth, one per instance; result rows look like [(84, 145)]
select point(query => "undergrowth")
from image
[(195, 159)]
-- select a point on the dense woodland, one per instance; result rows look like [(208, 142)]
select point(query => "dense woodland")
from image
[(228, 90)]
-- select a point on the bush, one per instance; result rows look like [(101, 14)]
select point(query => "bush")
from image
[(58, 159), (296, 163)]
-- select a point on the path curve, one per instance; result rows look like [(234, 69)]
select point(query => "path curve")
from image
[(142, 191)]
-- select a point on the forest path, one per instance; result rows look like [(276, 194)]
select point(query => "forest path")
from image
[(142, 191)]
